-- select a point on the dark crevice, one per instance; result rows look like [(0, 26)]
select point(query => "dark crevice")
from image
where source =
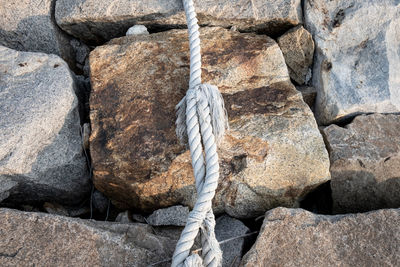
[(254, 225), (319, 201)]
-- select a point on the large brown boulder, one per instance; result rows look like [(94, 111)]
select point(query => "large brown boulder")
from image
[(273, 155), (295, 237), (365, 163)]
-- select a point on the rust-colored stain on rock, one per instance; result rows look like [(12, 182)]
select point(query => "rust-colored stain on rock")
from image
[(137, 82)]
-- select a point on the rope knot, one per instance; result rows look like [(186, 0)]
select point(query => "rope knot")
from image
[(203, 94)]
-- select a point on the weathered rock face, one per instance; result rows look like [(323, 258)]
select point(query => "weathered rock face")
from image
[(40, 147), (357, 66), (297, 47), (291, 237), (48, 240), (273, 154), (365, 163), (27, 25), (96, 22)]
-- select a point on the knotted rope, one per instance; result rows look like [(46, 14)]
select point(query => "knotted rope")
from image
[(201, 122)]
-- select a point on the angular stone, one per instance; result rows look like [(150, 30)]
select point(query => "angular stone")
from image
[(273, 155), (226, 228), (28, 25), (297, 47), (40, 144), (96, 22), (357, 62), (295, 237), (176, 215), (40, 239), (365, 163)]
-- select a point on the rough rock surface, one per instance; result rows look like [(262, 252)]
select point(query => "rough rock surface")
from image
[(38, 239), (226, 228), (175, 215), (297, 47), (273, 154), (27, 25), (40, 144), (96, 22), (291, 237), (356, 68), (365, 163)]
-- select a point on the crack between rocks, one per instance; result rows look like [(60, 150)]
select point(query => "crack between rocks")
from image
[(10, 255)]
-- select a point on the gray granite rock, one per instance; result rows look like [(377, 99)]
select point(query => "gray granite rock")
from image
[(38, 239), (28, 25), (297, 48), (226, 228), (175, 215), (40, 143), (295, 237), (365, 163), (357, 61), (97, 21)]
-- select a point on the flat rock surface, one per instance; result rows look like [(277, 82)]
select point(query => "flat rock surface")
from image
[(295, 237), (365, 163), (297, 47), (40, 145), (227, 227), (273, 155), (39, 239), (175, 215), (357, 67), (28, 25), (99, 21)]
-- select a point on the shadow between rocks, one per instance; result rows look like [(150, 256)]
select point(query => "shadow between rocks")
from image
[(360, 191)]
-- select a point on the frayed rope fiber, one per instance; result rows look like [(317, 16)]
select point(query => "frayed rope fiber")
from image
[(201, 122)]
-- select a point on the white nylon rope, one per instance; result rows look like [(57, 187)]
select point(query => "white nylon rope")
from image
[(201, 122)]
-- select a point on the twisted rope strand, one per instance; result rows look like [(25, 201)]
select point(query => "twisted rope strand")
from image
[(201, 121)]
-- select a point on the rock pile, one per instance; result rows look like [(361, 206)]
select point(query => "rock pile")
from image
[(88, 91)]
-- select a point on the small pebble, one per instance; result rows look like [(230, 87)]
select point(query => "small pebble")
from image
[(136, 30)]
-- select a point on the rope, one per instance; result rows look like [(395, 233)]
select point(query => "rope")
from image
[(201, 122)]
